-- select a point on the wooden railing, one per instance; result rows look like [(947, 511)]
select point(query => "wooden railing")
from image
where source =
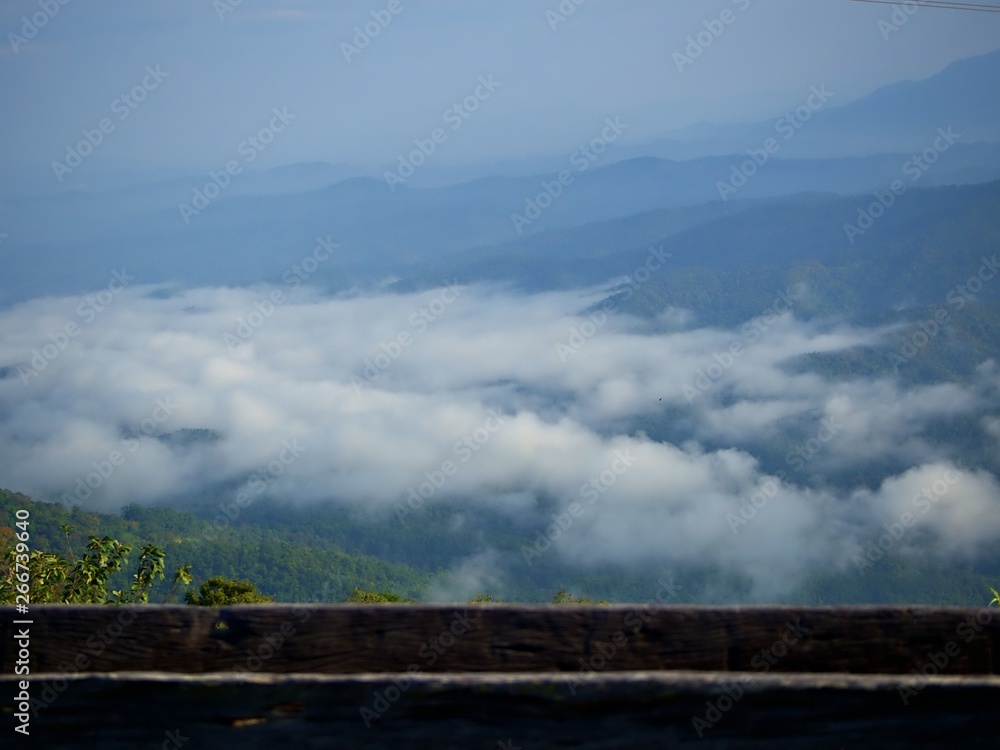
[(499, 676)]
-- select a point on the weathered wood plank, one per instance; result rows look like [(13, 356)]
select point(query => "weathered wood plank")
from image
[(612, 710), (505, 638)]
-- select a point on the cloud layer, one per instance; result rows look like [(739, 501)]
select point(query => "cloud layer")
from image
[(475, 394)]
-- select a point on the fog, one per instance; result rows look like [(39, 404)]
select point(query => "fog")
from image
[(479, 394)]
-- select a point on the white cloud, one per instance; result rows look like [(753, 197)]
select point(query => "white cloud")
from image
[(147, 367)]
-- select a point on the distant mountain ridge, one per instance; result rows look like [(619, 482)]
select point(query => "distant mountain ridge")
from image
[(897, 118), (262, 222), (726, 259), (243, 238)]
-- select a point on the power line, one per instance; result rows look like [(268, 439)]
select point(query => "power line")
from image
[(979, 7), (944, 4)]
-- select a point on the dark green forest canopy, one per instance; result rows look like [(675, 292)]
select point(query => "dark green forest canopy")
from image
[(289, 556)]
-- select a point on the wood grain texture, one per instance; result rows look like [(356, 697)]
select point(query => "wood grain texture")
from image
[(613, 710), (504, 638)]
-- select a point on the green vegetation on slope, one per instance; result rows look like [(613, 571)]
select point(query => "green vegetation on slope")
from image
[(287, 570), (283, 570)]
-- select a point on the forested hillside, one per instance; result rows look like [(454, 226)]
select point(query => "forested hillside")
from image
[(296, 556), (289, 570)]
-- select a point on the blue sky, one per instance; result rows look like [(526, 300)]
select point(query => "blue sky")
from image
[(224, 76)]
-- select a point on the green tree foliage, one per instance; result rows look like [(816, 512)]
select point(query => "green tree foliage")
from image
[(359, 596), (996, 597), (220, 591), (562, 597), (54, 579), (289, 564), (181, 578), (321, 553)]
